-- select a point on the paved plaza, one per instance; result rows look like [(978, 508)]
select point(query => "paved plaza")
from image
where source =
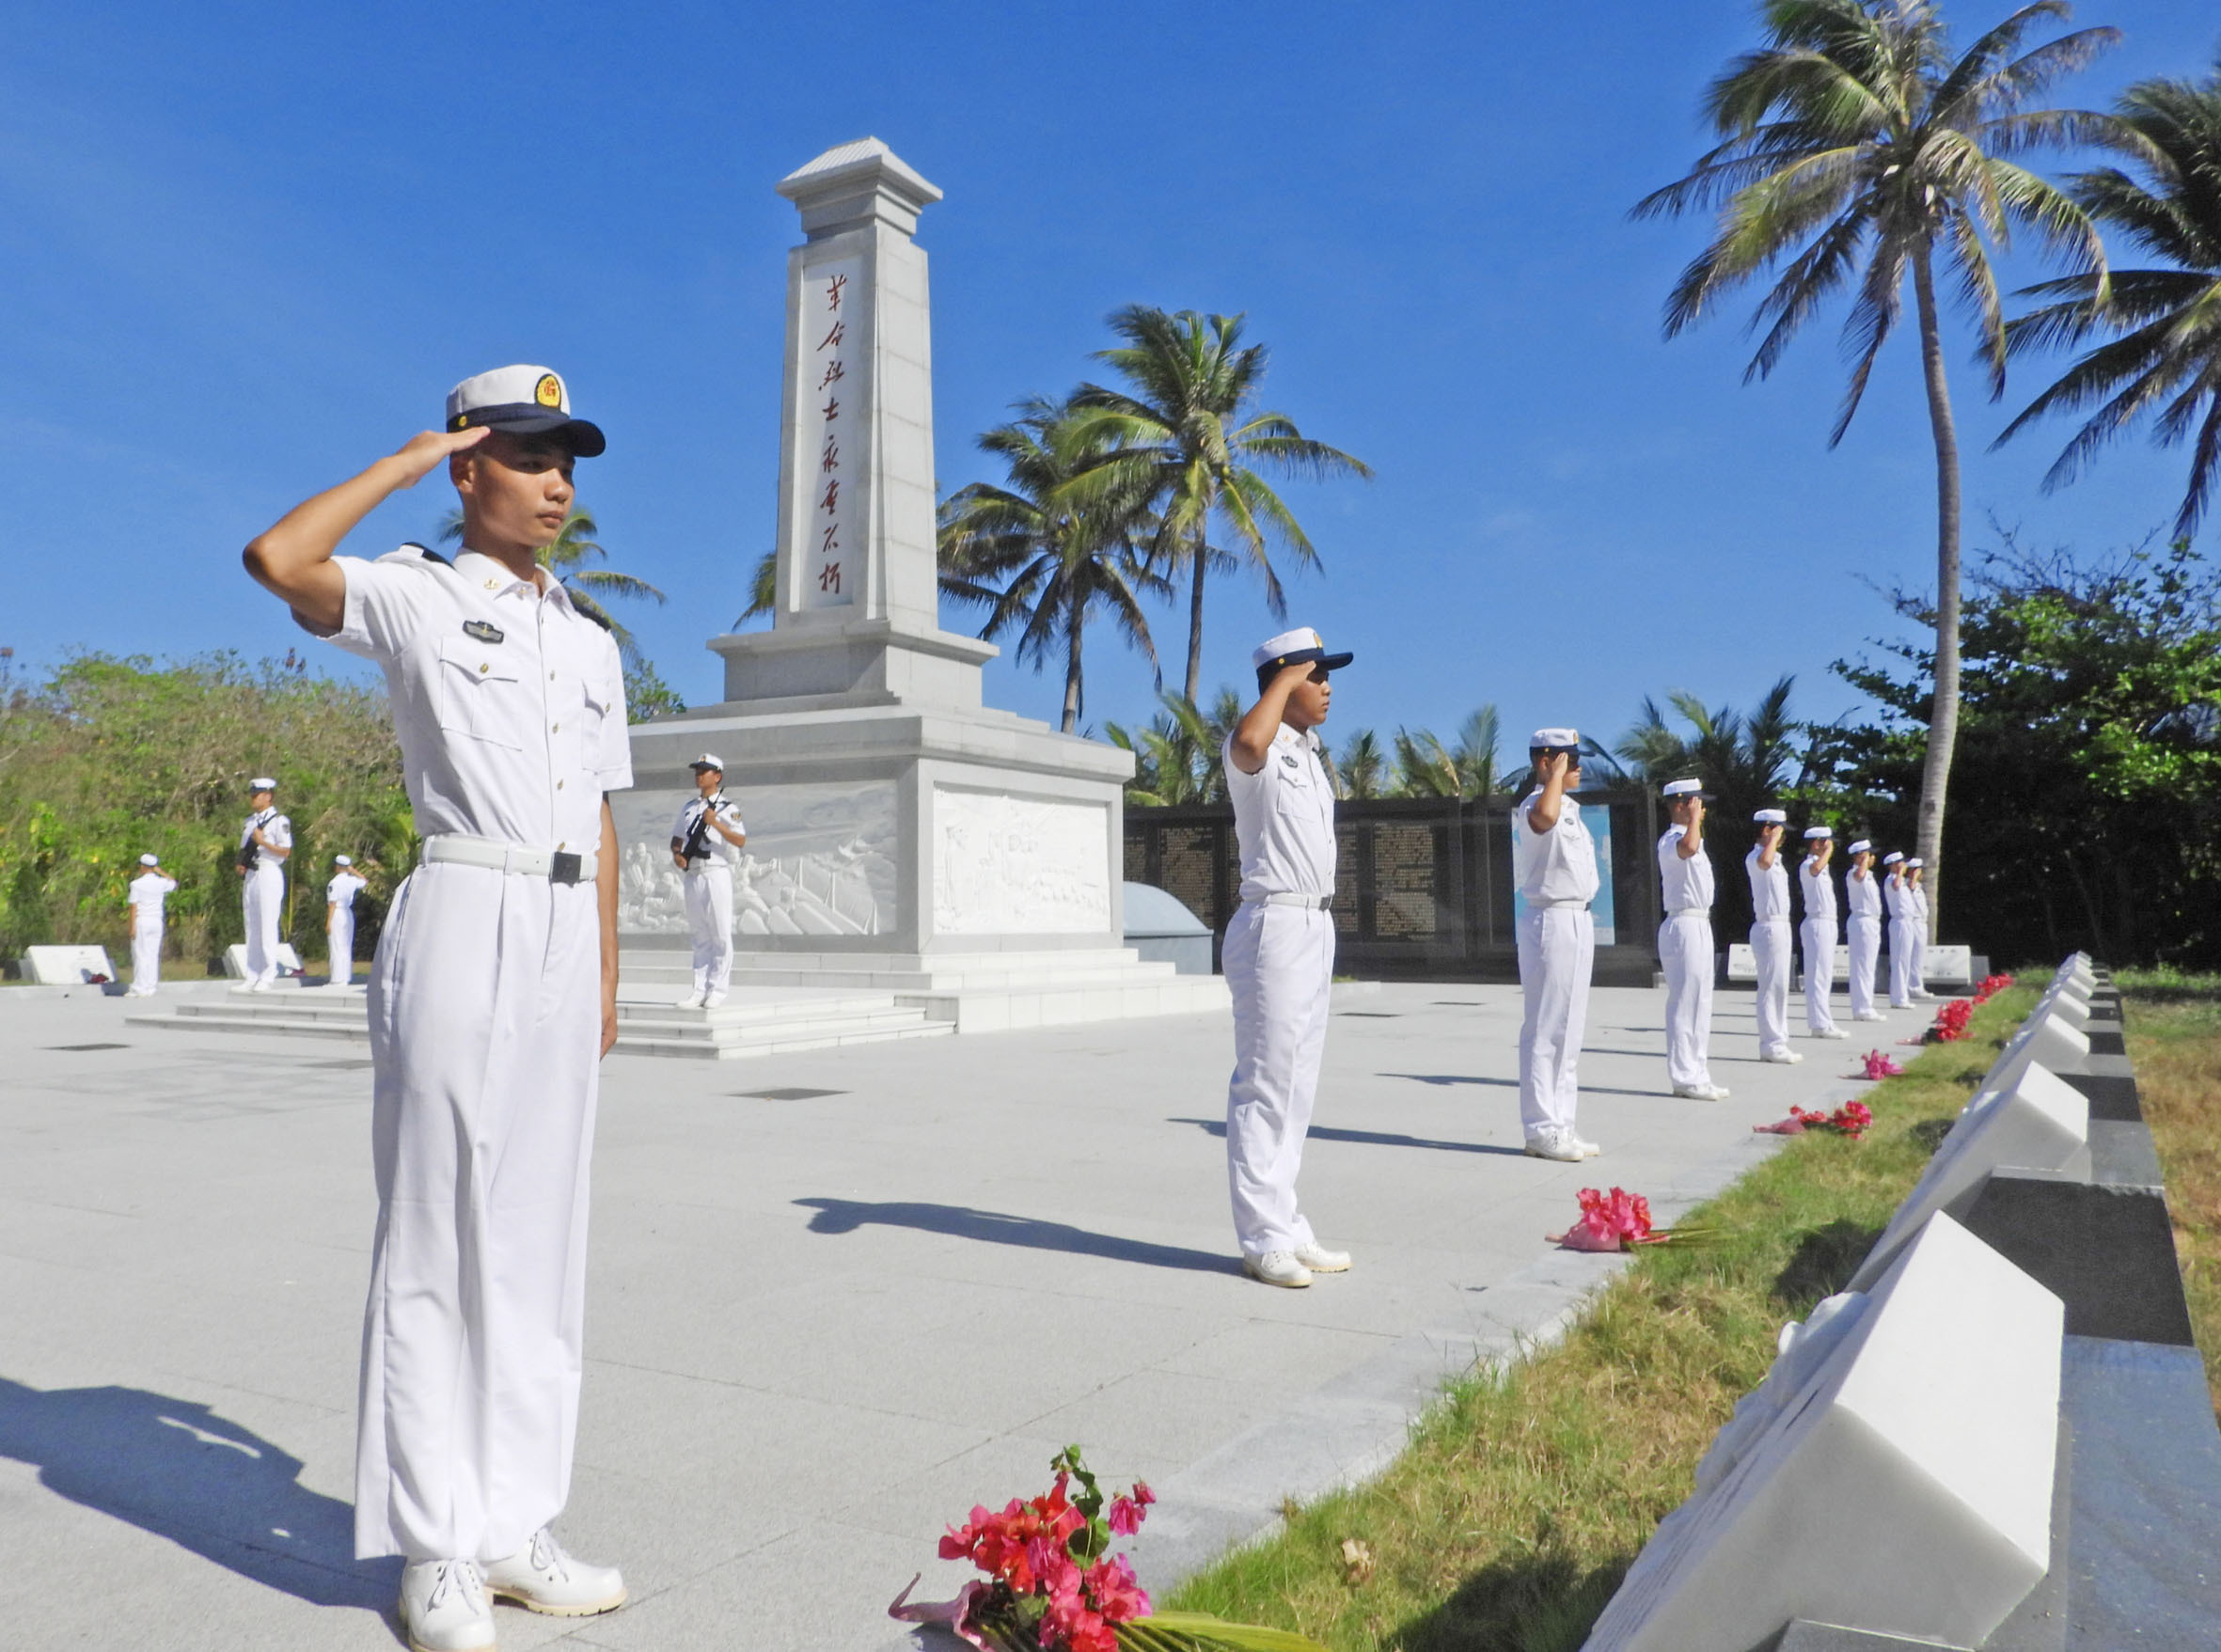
[(835, 1299)]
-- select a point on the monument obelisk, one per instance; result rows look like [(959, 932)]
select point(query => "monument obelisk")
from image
[(900, 833)]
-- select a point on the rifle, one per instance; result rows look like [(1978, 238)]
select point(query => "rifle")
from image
[(698, 835), (250, 852)]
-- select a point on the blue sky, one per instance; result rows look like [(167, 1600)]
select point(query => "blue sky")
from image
[(249, 248)]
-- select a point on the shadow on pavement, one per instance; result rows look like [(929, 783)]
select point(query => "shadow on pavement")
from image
[(1367, 1138), (182, 1472), (844, 1216), (1441, 1078)]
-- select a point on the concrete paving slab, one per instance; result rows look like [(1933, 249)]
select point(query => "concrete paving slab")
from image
[(836, 1298)]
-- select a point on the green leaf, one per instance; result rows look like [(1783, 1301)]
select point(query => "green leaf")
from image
[(1196, 1631)]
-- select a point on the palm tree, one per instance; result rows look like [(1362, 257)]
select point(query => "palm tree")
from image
[(1187, 436), (2167, 320), (1175, 758), (572, 548), (1039, 561), (1424, 767), (1742, 758), (1853, 137), (763, 588), (1363, 767)]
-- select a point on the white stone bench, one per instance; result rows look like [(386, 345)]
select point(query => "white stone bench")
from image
[(67, 965)]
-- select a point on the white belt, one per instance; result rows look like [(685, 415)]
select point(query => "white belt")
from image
[(556, 865), (1553, 905), (1310, 903), (1689, 912)]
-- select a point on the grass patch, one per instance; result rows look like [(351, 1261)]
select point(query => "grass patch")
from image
[(1523, 1496), (2173, 1026)]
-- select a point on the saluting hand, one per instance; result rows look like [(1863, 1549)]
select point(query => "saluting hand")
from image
[(425, 451)]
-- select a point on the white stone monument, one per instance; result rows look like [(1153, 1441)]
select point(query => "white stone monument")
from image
[(900, 834)]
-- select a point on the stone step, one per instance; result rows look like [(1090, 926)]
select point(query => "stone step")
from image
[(188, 1019)]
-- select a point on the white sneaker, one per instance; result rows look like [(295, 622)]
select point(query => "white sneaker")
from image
[(1560, 1144), (712, 1002), (1787, 1058), (540, 1577), (1830, 1032), (1868, 1016), (691, 1002), (1700, 1093), (263, 986), (444, 1607), (1317, 1258), (1277, 1267)]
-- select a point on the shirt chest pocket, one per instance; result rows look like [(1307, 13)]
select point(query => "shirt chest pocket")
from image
[(481, 693)]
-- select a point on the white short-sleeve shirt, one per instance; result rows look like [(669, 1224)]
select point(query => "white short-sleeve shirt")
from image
[(1284, 818), (717, 851), (1770, 888), (1558, 865), (508, 703), (1862, 891), (148, 890), (275, 828), (341, 891), (1819, 889), (1686, 882)]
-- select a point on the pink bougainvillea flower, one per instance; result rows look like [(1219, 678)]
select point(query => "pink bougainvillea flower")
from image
[(955, 1614), (1125, 1518), (1116, 1592), (1143, 1495)]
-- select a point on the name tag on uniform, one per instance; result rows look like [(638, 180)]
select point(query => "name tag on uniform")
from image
[(482, 631)]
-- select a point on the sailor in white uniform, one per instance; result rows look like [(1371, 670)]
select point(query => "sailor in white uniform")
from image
[(1916, 899), (1278, 952), (264, 842), (706, 843), (1901, 932), (1553, 867), (1685, 944), (1770, 943), (492, 999), (1818, 931), (148, 891), (1862, 893), (338, 920)]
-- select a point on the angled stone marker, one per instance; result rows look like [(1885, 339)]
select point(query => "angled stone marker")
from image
[(2042, 1123), (1894, 1473)]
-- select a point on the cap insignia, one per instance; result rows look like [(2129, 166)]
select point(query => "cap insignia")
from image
[(548, 392)]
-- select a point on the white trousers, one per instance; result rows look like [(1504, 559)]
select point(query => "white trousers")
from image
[(1280, 968), (1557, 955), (146, 958), (1819, 935), (1770, 950), (485, 1036), (1865, 935), (709, 915), (1901, 963), (263, 900), (1685, 952), (339, 951), (1916, 963)]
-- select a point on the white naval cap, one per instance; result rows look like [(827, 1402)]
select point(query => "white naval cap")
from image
[(1685, 789), (527, 400), (1771, 817), (342, 861), (1294, 648), (262, 783), (1914, 861), (150, 861), (1555, 740), (1864, 845), (708, 760), (1893, 857), (1814, 832)]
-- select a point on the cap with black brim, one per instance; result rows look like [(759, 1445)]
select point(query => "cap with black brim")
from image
[(581, 436), (525, 401)]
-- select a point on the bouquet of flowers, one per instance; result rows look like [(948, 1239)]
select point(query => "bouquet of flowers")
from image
[(1052, 1585), (1991, 987), (1951, 1019), (1850, 1119), (1879, 1067), (1618, 1221)]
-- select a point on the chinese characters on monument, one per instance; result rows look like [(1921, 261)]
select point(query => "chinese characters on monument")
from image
[(835, 331)]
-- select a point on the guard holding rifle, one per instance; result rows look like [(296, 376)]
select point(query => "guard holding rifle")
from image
[(492, 1000), (264, 842), (706, 845)]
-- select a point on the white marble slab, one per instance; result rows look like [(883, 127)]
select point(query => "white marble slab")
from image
[(67, 965)]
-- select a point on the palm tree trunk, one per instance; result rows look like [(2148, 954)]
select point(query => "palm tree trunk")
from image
[(1195, 624), (1072, 694), (1942, 722)]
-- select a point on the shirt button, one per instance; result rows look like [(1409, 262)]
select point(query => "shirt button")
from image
[(558, 785), (484, 669), (555, 727)]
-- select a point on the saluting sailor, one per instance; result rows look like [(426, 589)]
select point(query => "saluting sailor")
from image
[(1771, 946), (1917, 929), (1862, 894), (1278, 952), (705, 845), (1554, 864), (1685, 944), (492, 999), (1901, 932), (264, 842), (1818, 931), (148, 891), (338, 920)]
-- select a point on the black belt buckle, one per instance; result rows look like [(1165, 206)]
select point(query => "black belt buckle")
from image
[(563, 867)]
